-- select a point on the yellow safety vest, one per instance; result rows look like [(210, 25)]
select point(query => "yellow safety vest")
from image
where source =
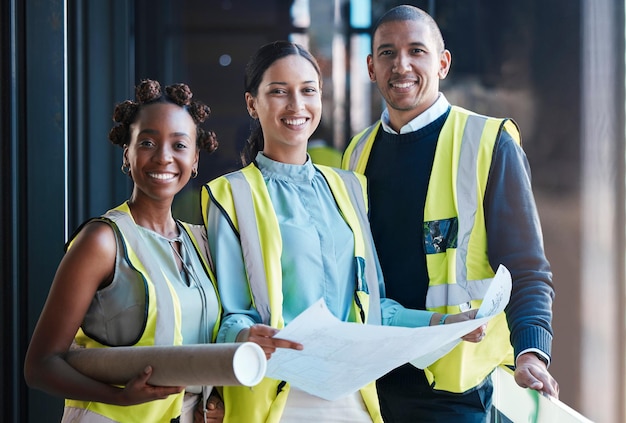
[(460, 275), (162, 320), (243, 198)]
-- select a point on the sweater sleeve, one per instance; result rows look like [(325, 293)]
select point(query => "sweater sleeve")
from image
[(515, 240)]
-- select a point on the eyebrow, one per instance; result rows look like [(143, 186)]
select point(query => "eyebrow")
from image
[(389, 45), (154, 131), (285, 83)]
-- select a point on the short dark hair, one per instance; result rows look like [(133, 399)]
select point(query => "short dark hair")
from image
[(406, 12)]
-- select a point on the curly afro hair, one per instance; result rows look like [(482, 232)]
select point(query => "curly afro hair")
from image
[(149, 92)]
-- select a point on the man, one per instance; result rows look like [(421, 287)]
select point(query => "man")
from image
[(435, 168)]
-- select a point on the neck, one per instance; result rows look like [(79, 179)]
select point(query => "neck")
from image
[(156, 217), (399, 118), (296, 156)]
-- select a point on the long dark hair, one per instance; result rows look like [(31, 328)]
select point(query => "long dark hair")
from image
[(256, 67)]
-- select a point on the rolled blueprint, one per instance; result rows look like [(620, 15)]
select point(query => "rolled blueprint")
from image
[(181, 365)]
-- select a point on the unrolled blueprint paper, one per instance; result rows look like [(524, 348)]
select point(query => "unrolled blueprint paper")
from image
[(340, 357)]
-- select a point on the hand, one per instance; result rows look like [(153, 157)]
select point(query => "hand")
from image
[(477, 334), (215, 410), (531, 372), (263, 336), (138, 391)]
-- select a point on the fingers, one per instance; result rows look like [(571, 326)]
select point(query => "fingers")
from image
[(214, 410), (541, 380), (476, 335), (263, 335), (144, 376), (471, 314), (551, 387), (285, 343), (462, 317), (138, 390), (214, 402), (532, 373)]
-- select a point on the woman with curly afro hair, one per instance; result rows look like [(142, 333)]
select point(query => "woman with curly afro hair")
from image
[(120, 266)]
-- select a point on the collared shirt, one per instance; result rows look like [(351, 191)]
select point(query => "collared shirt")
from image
[(426, 117)]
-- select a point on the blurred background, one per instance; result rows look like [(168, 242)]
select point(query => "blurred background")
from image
[(556, 67)]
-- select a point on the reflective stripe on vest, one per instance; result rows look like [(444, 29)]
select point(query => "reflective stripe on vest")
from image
[(464, 290), (165, 333), (251, 244), (351, 195), (358, 151)]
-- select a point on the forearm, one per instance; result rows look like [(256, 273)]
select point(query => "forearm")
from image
[(393, 314), (55, 376)]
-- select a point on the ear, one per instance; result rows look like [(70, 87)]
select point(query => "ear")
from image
[(445, 59), (196, 159), (125, 155), (251, 105), (370, 68)]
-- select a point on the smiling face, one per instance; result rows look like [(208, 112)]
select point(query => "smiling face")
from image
[(162, 151), (406, 63), (288, 105)]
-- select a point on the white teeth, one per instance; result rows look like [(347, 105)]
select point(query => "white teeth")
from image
[(161, 176), (295, 121), (404, 85)]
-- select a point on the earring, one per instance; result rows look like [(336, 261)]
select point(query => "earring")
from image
[(125, 169), (194, 173)]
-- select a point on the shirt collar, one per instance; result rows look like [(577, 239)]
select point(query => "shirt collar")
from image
[(426, 117), (284, 171)]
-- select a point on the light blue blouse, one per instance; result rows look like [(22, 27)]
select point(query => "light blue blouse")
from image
[(317, 258)]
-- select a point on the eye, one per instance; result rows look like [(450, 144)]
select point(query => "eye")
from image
[(146, 143), (385, 53), (309, 90), (180, 145), (278, 91), (417, 51)]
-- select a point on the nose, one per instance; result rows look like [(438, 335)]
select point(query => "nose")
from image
[(402, 63), (163, 154), (296, 102)]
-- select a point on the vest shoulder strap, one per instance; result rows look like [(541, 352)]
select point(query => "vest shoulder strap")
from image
[(358, 151)]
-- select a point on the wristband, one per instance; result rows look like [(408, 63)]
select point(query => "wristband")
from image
[(442, 321)]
